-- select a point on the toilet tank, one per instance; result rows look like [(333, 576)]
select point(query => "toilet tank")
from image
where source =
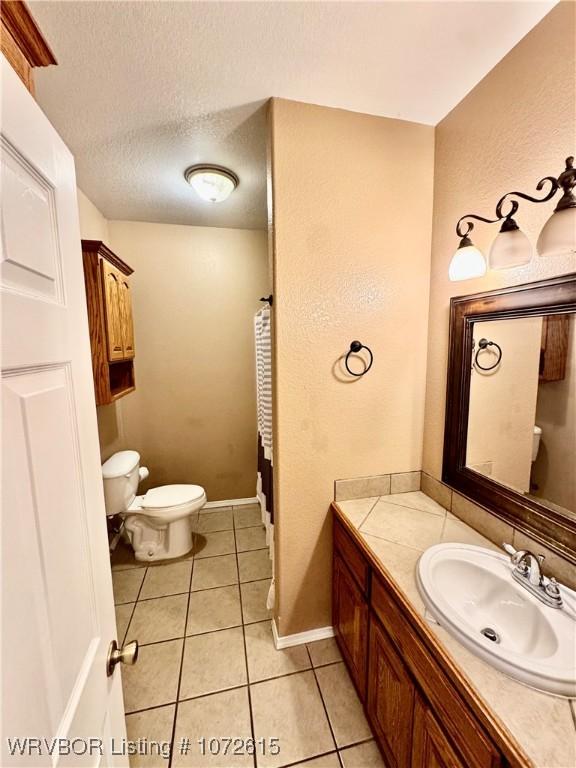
[(121, 478)]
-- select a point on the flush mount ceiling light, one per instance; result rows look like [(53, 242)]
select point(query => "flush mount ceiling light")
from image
[(511, 248), (211, 182)]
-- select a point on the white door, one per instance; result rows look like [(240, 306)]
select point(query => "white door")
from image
[(57, 605)]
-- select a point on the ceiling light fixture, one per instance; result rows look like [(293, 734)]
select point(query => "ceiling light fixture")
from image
[(211, 182), (511, 248)]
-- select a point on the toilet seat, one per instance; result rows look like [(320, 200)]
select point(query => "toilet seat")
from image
[(160, 522), (171, 496)]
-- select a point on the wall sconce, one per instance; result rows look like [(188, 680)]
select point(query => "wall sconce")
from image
[(511, 248)]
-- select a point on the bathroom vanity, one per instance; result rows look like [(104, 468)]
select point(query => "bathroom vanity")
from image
[(430, 702)]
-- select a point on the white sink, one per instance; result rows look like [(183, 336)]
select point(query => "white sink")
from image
[(469, 589)]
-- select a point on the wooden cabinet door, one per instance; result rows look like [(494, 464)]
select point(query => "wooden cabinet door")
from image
[(351, 623), (391, 695), (112, 278), (431, 747), (126, 318)]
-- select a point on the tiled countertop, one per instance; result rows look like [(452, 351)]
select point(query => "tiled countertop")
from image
[(397, 529)]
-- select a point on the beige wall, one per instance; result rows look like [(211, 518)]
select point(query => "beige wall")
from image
[(193, 414), (556, 414), (352, 219), (93, 225), (503, 402), (515, 127), (195, 291)]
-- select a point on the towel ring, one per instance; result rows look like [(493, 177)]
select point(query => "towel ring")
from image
[(355, 347), (483, 344)]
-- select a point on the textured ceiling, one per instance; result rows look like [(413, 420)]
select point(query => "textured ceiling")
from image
[(144, 89)]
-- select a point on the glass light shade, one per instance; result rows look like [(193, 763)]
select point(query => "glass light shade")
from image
[(467, 262), (510, 249), (558, 236), (211, 184)]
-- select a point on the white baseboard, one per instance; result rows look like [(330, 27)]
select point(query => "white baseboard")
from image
[(287, 641), (230, 503)]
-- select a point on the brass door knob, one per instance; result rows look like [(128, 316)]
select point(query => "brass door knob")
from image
[(128, 654)]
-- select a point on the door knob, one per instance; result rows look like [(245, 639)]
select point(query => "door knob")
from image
[(128, 654)]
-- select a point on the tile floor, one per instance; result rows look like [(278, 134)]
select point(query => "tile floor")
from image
[(208, 668)]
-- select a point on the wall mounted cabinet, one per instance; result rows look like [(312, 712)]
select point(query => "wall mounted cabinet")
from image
[(421, 710), (110, 320)]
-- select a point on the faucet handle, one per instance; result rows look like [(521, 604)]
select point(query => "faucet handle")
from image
[(515, 554), (552, 588), (517, 557)]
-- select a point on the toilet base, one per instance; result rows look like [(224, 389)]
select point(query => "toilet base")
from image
[(159, 542)]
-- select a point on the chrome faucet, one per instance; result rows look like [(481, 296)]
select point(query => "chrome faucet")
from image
[(528, 572)]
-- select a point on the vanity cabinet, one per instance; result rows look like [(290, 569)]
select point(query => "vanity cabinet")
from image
[(351, 622), (421, 709), (391, 694), (109, 301), (430, 745)]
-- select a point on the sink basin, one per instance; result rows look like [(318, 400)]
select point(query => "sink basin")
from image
[(470, 591)]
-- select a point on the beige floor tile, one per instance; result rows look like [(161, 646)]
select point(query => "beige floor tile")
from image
[(343, 705), (126, 584), (122, 558), (214, 572), (264, 661), (212, 609), (123, 614), (248, 516), (324, 652), (326, 761), (162, 618), (221, 715), (170, 579), (254, 565), (404, 525), (291, 710), (365, 755), (214, 544), (153, 680), (215, 521), (206, 510), (416, 500), (154, 725), (254, 595), (250, 538), (213, 662)]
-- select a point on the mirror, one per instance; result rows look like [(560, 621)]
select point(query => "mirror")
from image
[(522, 407), (510, 430)]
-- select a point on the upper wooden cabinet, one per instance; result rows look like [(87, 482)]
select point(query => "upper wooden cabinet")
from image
[(110, 320), (554, 347), (127, 322), (22, 42)]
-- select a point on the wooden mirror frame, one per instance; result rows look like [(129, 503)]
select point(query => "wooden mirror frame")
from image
[(546, 297)]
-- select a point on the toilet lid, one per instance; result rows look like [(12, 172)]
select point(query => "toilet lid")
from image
[(172, 496)]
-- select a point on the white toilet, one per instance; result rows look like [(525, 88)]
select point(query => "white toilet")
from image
[(159, 523), (536, 437)]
